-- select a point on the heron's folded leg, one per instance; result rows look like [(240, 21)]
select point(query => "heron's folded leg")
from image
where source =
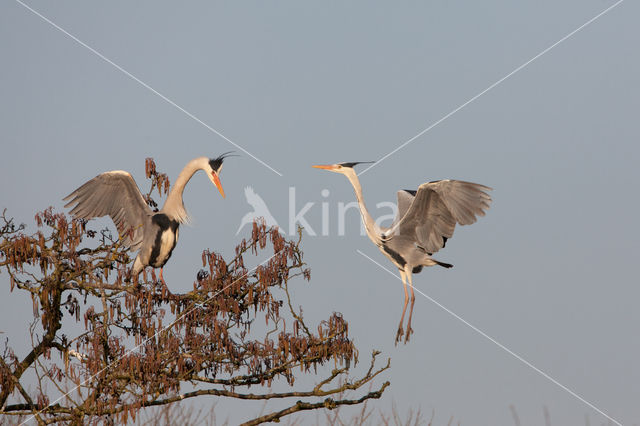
[(413, 300), (400, 332)]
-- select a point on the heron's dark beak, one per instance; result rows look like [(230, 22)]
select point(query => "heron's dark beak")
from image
[(331, 167), (216, 181)]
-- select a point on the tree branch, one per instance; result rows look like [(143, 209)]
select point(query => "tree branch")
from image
[(327, 403)]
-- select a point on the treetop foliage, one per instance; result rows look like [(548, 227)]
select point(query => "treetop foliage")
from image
[(104, 348)]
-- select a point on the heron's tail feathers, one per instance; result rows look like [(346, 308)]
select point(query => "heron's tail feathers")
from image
[(444, 265)]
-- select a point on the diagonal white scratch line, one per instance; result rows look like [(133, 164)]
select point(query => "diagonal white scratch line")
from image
[(500, 345), (145, 85), (493, 85), (135, 348)]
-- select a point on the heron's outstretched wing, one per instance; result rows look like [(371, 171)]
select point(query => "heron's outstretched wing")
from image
[(114, 194), (436, 209), (405, 198)]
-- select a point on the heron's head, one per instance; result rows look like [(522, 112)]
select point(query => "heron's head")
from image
[(215, 166), (344, 168)]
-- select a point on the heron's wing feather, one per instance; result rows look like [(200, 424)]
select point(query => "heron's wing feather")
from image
[(437, 208), (113, 194), (428, 221), (465, 200), (405, 198)]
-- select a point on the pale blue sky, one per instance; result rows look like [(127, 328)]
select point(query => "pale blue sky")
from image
[(550, 272)]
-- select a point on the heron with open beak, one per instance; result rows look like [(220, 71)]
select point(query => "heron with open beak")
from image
[(425, 221)]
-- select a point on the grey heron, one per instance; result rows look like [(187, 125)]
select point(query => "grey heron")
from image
[(425, 221), (154, 235)]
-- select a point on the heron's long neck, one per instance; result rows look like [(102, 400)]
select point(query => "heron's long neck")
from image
[(173, 206), (369, 223)]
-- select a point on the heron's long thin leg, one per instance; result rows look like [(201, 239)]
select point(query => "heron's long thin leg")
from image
[(161, 278), (400, 332), (413, 300)]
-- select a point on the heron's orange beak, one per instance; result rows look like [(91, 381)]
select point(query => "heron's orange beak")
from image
[(331, 167), (216, 181)]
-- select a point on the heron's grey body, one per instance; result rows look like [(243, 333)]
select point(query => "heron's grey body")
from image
[(426, 220), (154, 235), (160, 240)]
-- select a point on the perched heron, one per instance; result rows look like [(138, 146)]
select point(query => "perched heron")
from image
[(154, 235), (425, 221)]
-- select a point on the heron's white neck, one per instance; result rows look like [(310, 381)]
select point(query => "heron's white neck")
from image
[(373, 230), (173, 206)]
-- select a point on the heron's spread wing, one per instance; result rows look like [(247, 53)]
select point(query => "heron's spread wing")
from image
[(437, 208), (114, 194), (405, 198)]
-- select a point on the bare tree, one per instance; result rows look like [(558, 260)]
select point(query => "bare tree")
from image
[(104, 349)]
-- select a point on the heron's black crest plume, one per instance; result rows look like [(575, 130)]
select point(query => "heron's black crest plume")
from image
[(355, 163), (216, 163)]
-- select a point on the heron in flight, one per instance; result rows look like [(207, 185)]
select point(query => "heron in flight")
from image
[(154, 235), (425, 221)]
